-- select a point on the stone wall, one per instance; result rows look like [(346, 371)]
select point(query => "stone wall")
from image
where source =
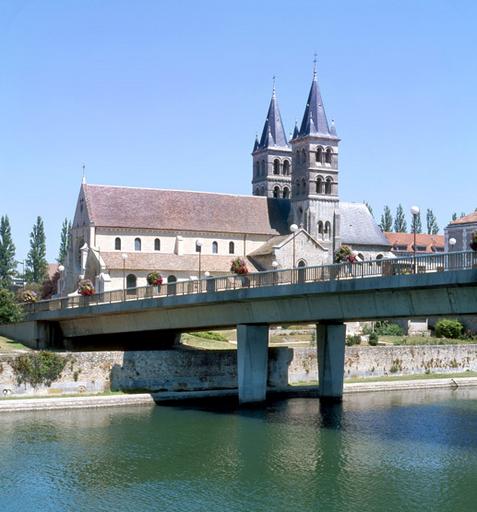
[(188, 370)]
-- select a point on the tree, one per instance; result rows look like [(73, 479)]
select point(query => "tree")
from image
[(400, 224), (432, 227), (417, 223), (454, 216), (64, 242), (7, 253), (369, 208), (386, 220), (37, 266), (10, 310)]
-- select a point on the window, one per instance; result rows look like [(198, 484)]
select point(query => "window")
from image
[(257, 168), (262, 190), (137, 244), (303, 157), (117, 244), (198, 247), (319, 185), (297, 186), (327, 230), (263, 167), (276, 192), (320, 228), (257, 191), (328, 183), (131, 281), (276, 166), (157, 244), (171, 285), (286, 193), (328, 155), (215, 248), (303, 186), (319, 155), (286, 167), (231, 248)]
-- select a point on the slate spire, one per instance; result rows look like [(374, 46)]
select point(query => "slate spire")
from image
[(314, 119), (273, 133)]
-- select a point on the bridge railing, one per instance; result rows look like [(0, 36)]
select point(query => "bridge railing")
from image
[(357, 270)]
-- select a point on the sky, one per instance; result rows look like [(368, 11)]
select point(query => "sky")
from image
[(171, 94)]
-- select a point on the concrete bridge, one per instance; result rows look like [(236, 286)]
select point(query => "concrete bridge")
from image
[(441, 284)]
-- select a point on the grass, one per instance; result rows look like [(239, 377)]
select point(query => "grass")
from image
[(69, 395), (7, 345), (423, 340)]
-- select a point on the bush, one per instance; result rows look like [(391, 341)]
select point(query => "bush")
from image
[(210, 335), (38, 368), (373, 339), (10, 310), (447, 328), (385, 328), (353, 339)]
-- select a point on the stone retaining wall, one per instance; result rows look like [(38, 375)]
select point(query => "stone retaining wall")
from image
[(189, 370)]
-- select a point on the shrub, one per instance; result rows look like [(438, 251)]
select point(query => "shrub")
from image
[(50, 286), (210, 335), (154, 279), (239, 266), (385, 328), (447, 328), (28, 296), (353, 339), (373, 339), (10, 310), (344, 254), (38, 368)]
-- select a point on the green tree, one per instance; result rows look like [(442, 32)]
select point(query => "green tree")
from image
[(10, 310), (400, 224), (454, 216), (7, 253), (37, 266), (417, 223), (432, 227), (369, 208), (64, 242), (386, 220)]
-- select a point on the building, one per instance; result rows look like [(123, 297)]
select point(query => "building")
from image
[(402, 244), (120, 234), (461, 231)]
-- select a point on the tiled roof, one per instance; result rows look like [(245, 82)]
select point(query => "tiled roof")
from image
[(466, 219), (169, 262), (405, 241), (358, 226), (177, 210)]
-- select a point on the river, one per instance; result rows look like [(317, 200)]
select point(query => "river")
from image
[(413, 451)]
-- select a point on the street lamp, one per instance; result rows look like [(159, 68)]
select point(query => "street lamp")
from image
[(124, 256), (198, 244), (415, 213), (452, 242), (294, 229)]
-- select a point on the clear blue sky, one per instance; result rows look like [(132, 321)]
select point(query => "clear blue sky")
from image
[(171, 94)]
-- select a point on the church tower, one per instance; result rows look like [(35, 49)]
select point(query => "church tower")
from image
[(314, 198), (272, 157)]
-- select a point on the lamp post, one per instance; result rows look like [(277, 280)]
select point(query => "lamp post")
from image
[(294, 229), (415, 213), (452, 242), (23, 271), (59, 286), (198, 244), (124, 256), (275, 266)]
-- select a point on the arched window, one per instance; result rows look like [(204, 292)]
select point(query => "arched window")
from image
[(171, 285), (301, 271), (328, 155), (303, 157), (286, 167), (262, 190), (257, 191), (320, 228), (131, 281), (231, 248), (286, 192), (327, 230), (276, 192), (257, 168), (297, 187), (303, 186), (319, 185), (319, 155), (117, 244), (137, 244), (263, 167), (215, 248), (328, 184), (276, 166), (157, 244)]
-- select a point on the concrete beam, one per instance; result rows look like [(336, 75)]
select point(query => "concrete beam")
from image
[(330, 339), (252, 362)]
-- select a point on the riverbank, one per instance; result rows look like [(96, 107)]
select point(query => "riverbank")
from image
[(300, 391)]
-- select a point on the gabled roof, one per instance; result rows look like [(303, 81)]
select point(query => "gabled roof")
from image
[(359, 227), (466, 219), (277, 242), (177, 210), (273, 133)]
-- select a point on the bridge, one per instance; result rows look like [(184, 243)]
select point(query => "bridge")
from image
[(427, 285)]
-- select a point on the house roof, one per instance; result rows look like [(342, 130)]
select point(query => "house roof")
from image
[(406, 241), (466, 219), (177, 210), (359, 227)]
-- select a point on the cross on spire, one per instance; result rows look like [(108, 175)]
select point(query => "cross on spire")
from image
[(314, 66)]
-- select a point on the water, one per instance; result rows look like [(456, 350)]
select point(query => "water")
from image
[(377, 452)]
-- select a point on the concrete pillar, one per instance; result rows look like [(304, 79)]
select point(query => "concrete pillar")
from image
[(252, 362), (331, 349)]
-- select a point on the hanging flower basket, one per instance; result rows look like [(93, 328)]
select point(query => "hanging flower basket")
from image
[(345, 255), (239, 267), (473, 241), (28, 296), (154, 279), (85, 288)]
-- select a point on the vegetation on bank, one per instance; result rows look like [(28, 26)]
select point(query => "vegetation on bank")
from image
[(38, 368)]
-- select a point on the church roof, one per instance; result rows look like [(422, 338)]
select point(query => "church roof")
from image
[(178, 210), (358, 226), (273, 133), (314, 119)]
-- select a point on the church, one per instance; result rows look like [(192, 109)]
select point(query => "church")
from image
[(294, 216)]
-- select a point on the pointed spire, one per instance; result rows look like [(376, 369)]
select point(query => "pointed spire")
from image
[(83, 179), (273, 133), (296, 131), (257, 143), (333, 128), (314, 119)]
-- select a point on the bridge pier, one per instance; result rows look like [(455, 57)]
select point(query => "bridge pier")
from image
[(331, 350), (252, 362)]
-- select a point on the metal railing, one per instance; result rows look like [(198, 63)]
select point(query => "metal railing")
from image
[(358, 270)]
